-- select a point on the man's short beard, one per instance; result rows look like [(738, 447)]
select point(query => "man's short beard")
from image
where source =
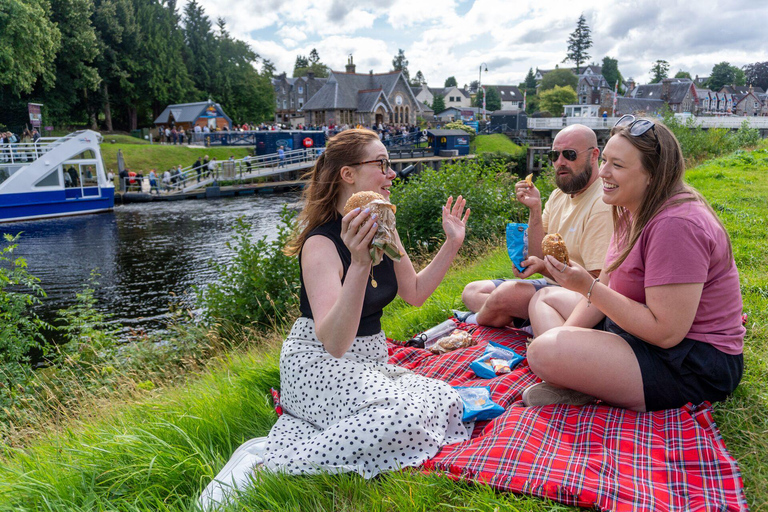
[(575, 183)]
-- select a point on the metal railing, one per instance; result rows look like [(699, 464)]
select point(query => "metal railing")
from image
[(405, 141), (243, 169), (23, 153), (550, 123)]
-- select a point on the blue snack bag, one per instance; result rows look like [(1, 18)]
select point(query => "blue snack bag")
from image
[(478, 405), (483, 366), (517, 243)]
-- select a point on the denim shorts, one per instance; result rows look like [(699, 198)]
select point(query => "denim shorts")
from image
[(691, 371)]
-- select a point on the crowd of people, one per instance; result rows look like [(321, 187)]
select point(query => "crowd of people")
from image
[(644, 315)]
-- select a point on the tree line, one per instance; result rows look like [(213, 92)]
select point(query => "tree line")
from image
[(116, 64)]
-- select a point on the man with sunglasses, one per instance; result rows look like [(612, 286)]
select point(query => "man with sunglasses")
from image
[(575, 210)]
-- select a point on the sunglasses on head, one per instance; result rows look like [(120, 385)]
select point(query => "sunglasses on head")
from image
[(569, 154), (636, 127), (384, 164)]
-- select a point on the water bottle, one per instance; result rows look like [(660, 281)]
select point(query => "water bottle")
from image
[(428, 338)]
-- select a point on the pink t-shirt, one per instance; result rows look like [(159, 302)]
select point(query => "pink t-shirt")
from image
[(685, 244)]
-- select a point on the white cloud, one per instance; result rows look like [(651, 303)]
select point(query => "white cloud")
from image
[(445, 38)]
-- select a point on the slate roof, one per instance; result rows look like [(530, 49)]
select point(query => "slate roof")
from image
[(341, 91), (626, 105), (367, 100), (678, 88), (186, 112), (425, 108), (741, 89), (508, 92), (442, 91)]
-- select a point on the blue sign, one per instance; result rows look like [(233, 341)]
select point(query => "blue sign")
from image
[(473, 124)]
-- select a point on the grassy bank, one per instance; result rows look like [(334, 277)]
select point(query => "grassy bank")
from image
[(494, 143), (157, 451), (144, 156)]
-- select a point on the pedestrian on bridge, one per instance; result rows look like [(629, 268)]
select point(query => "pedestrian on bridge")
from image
[(198, 167), (281, 156)]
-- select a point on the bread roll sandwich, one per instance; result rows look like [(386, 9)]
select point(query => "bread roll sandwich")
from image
[(554, 245), (385, 239)]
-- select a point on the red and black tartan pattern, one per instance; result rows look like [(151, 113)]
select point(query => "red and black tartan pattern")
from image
[(591, 456)]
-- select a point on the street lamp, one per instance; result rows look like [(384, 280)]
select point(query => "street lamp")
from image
[(480, 82)]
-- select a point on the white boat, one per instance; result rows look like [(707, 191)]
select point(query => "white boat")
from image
[(54, 177)]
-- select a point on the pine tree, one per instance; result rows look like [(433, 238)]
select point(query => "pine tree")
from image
[(659, 71), (400, 63), (530, 80), (438, 104), (200, 45), (579, 42), (418, 80)]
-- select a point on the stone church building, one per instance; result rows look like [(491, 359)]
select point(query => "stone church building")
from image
[(368, 99)]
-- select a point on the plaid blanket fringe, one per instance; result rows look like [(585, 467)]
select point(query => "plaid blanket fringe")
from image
[(593, 456)]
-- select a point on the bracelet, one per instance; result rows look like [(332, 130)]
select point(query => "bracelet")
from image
[(589, 293)]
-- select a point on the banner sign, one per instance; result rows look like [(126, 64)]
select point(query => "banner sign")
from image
[(35, 115)]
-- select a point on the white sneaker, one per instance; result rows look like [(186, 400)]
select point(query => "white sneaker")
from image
[(547, 394)]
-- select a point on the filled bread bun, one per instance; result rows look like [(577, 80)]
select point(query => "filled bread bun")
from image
[(385, 240), (554, 245)]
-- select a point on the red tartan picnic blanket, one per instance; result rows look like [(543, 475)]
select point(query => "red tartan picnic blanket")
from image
[(591, 456)]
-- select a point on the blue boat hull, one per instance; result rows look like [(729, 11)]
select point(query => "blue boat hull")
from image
[(38, 205)]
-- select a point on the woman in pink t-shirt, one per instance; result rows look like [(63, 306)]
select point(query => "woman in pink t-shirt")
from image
[(661, 326)]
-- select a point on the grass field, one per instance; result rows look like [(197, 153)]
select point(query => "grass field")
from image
[(493, 143), (143, 156), (157, 453)]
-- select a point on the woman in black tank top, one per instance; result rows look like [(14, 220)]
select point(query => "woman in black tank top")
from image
[(344, 407)]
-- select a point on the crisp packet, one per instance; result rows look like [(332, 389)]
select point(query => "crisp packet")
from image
[(484, 368), (517, 243), (478, 405)]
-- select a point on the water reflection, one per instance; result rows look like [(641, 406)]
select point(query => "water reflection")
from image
[(147, 254)]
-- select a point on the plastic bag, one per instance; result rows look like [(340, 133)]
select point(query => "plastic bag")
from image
[(385, 240), (478, 405), (457, 339), (483, 367), (517, 243)]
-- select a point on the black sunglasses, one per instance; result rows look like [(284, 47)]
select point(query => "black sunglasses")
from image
[(636, 127), (384, 164), (569, 154)]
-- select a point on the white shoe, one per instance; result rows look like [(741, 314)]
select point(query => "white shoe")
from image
[(547, 394), (235, 475)]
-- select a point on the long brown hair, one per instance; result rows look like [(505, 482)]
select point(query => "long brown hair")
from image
[(662, 158), (322, 193)]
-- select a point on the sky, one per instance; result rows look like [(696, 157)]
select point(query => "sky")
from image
[(443, 38)]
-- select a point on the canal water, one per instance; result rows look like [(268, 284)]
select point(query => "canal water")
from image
[(148, 255)]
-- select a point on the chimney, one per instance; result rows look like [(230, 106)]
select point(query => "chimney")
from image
[(630, 87), (350, 65), (310, 75), (666, 86)]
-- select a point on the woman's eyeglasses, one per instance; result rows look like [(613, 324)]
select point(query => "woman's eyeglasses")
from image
[(384, 164), (637, 127), (569, 154)]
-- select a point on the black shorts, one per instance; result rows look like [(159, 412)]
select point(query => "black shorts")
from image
[(691, 371)]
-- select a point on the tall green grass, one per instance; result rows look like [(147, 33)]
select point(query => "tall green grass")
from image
[(157, 453)]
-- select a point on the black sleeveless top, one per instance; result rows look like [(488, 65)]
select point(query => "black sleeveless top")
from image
[(375, 298)]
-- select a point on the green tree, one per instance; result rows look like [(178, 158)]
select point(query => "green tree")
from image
[(683, 74), (579, 42), (301, 62), (611, 72), (29, 41), (553, 100), (756, 74), (419, 79), (451, 82), (200, 45), (532, 104), (438, 104), (268, 68), (724, 74), (559, 77), (313, 65), (492, 101), (400, 63), (76, 73), (659, 71), (530, 81)]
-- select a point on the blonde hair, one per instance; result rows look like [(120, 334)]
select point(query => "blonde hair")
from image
[(662, 158), (322, 193)]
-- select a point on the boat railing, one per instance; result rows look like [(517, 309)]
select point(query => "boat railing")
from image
[(19, 154)]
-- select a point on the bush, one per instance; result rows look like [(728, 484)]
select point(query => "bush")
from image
[(20, 328), (458, 125), (699, 144), (487, 186), (260, 286)]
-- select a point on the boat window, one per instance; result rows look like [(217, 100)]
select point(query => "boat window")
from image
[(71, 175), (49, 180), (4, 175), (88, 172), (85, 155)]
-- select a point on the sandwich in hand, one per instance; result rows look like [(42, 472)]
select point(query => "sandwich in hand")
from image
[(385, 239)]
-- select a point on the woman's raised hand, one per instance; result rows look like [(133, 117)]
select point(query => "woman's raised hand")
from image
[(358, 236), (454, 225)]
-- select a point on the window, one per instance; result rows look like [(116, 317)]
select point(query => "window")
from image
[(285, 104), (301, 102), (301, 89), (49, 180)]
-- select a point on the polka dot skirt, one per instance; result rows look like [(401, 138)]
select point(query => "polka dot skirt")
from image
[(357, 413)]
